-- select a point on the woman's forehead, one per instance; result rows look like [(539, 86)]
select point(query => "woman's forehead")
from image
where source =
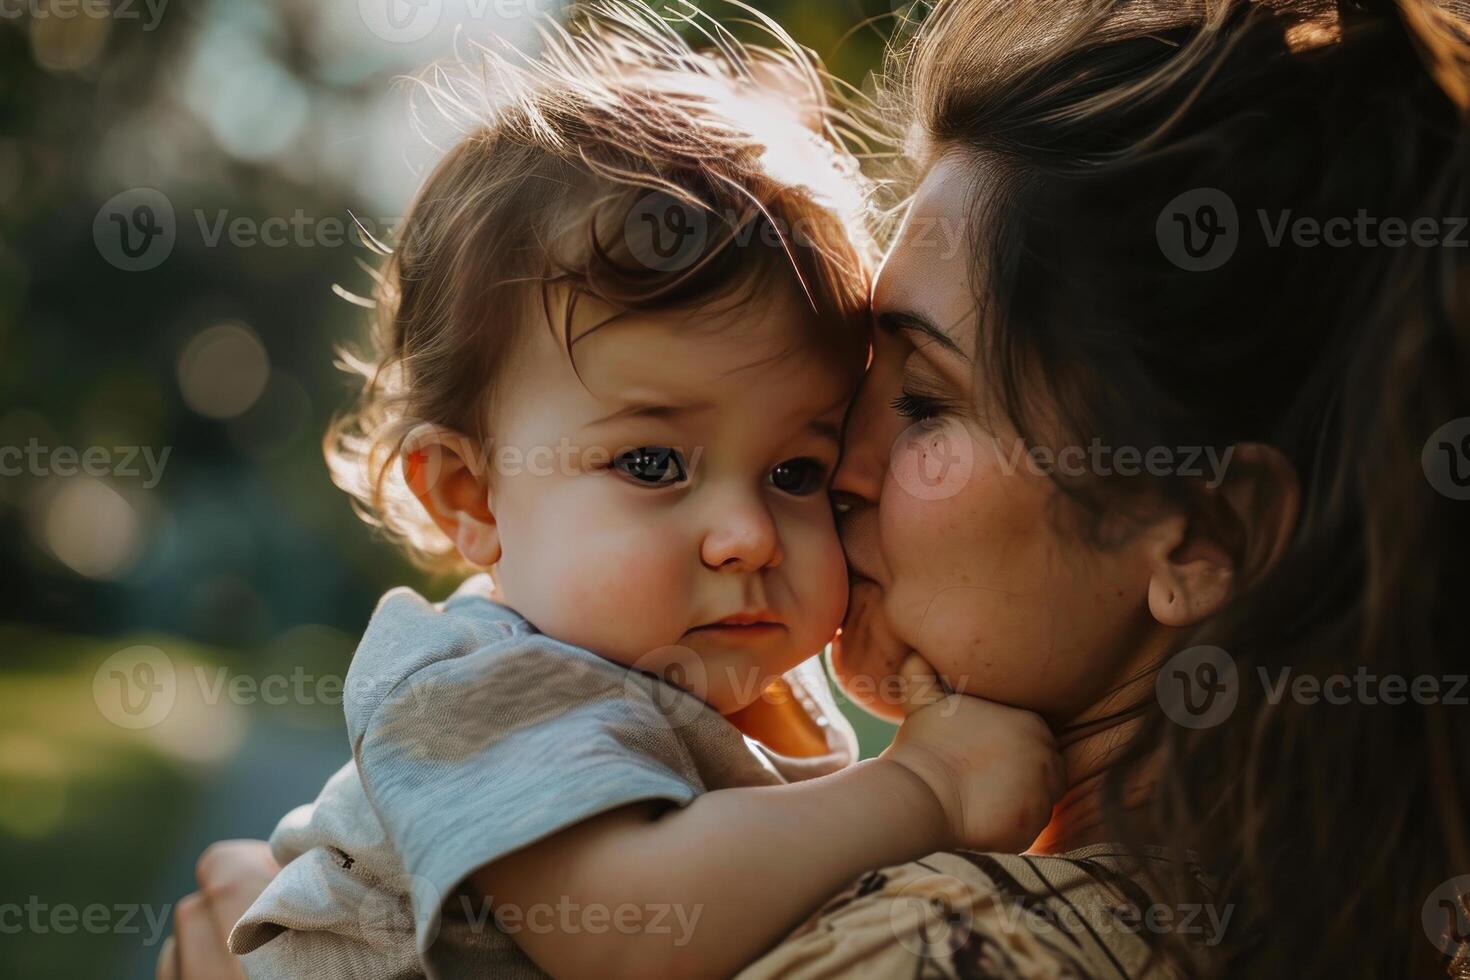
[(929, 271)]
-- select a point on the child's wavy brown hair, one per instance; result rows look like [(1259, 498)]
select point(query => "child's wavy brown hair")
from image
[(575, 172)]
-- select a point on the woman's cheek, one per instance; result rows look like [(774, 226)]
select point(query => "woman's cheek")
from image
[(917, 538), (929, 505), (966, 584), (933, 460)]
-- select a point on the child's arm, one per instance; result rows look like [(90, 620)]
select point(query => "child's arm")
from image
[(736, 869)]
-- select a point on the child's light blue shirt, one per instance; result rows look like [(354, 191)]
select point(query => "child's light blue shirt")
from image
[(474, 735)]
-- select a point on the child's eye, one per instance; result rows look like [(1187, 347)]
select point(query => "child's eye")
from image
[(915, 407), (654, 466), (799, 477)]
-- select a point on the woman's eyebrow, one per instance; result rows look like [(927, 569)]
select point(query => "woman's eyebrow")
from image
[(902, 322)]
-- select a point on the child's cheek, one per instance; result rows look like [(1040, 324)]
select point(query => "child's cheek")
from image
[(630, 588), (819, 578), (587, 567)]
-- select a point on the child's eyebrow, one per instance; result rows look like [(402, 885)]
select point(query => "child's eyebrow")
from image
[(650, 410), (826, 430)]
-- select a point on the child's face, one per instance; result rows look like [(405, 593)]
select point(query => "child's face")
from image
[(676, 495)]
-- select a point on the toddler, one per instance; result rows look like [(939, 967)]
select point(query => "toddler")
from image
[(618, 335)]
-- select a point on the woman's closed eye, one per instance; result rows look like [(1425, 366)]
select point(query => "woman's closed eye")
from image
[(652, 466), (915, 406)]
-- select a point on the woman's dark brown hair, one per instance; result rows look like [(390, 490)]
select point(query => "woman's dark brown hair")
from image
[(1117, 138)]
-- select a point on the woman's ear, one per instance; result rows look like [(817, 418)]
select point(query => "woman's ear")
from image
[(1197, 562), (449, 475)]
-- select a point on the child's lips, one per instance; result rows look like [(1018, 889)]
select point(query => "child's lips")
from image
[(747, 626)]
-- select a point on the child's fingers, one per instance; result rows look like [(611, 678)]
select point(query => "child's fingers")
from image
[(201, 950), (919, 686), (168, 960), (233, 874)]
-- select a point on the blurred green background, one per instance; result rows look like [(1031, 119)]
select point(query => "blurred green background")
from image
[(186, 585)]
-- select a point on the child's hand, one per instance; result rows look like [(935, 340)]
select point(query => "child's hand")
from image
[(994, 770)]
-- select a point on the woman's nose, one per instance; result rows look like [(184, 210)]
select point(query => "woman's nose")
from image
[(742, 536), (871, 430)]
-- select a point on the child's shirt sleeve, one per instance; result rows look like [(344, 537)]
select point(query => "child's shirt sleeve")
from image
[(475, 736)]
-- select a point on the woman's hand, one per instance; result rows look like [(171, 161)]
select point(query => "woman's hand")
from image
[(995, 770), (231, 876)]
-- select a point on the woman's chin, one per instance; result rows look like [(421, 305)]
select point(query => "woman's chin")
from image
[(866, 657)]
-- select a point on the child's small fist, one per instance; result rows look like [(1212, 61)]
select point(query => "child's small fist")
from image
[(994, 770)]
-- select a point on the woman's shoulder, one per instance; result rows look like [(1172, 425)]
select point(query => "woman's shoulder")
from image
[(1084, 913)]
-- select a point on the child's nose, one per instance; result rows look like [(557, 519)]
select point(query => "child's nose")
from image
[(741, 537)]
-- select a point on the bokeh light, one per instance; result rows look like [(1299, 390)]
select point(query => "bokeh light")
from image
[(223, 370), (90, 528), (68, 43)]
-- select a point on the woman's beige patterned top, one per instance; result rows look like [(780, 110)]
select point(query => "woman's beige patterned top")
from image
[(1084, 913)]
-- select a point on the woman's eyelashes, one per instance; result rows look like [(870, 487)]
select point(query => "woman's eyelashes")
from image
[(652, 466), (916, 407), (924, 392)]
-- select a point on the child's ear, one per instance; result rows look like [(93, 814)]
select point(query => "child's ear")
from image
[(449, 475), (1196, 564)]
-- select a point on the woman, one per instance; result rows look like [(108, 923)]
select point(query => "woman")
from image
[(1165, 415)]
